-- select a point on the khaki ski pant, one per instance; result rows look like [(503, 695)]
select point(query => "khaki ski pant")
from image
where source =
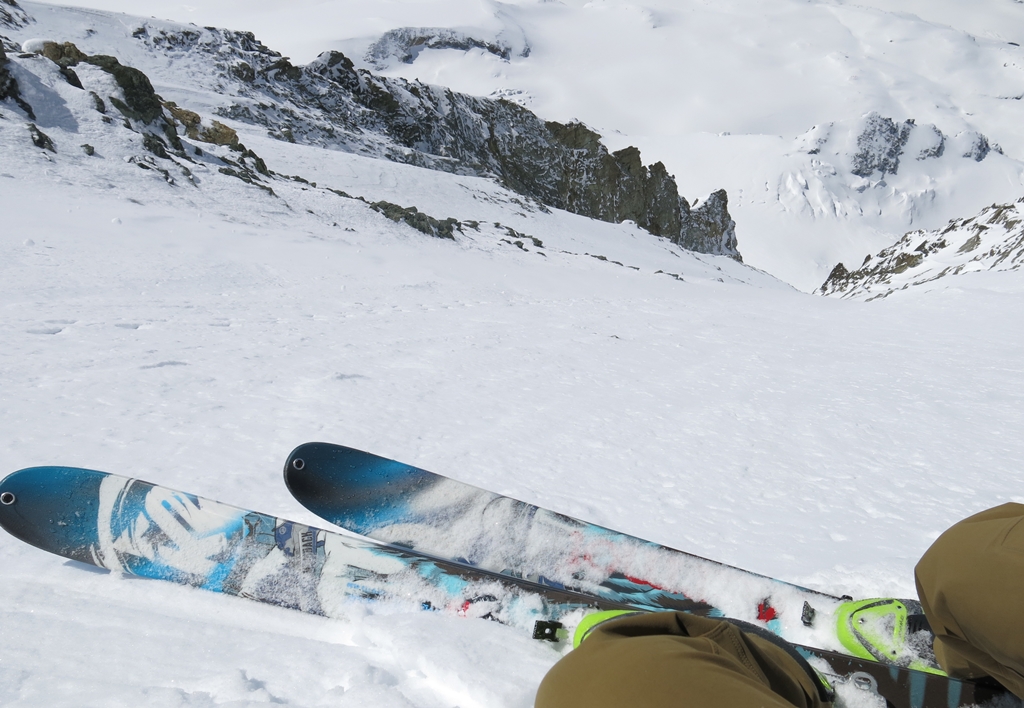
[(676, 660), (971, 585)]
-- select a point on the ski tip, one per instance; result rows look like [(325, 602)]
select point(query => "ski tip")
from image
[(350, 487), (302, 466), (323, 470), (49, 507)]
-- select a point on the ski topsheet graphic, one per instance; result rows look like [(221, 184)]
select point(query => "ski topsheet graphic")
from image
[(139, 528), (135, 527), (405, 506)]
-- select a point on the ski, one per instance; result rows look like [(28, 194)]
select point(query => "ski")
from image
[(135, 527), (429, 513), (409, 507), (128, 525)]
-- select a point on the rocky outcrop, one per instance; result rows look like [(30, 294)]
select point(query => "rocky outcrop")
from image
[(881, 143), (992, 240), (141, 103), (40, 139), (213, 132), (418, 220), (405, 43), (712, 230), (332, 104), (9, 87), (140, 100)]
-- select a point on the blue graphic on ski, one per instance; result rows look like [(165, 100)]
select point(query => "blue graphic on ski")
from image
[(138, 528), (406, 506), (426, 512), (135, 527)]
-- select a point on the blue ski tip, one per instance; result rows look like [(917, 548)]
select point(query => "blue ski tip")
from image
[(52, 508)]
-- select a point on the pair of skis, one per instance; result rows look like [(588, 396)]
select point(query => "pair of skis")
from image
[(439, 545)]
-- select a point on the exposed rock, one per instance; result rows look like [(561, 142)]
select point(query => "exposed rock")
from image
[(978, 148), (88, 149), (63, 55), (140, 100), (405, 44), (40, 139), (155, 145), (839, 274), (934, 143), (563, 166), (882, 142), (71, 77), (218, 134), (712, 230), (418, 220), (215, 133), (190, 119), (243, 71), (880, 145), (98, 103), (9, 87), (992, 240), (140, 104), (331, 103), (11, 15)]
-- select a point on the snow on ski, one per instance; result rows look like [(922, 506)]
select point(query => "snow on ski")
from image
[(142, 529), (406, 506), (135, 527)]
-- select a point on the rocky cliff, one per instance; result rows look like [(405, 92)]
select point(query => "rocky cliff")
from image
[(332, 104)]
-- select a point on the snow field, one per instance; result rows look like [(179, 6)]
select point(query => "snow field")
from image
[(820, 441), (192, 336)]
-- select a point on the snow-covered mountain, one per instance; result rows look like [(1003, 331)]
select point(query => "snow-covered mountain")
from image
[(329, 104), (808, 69), (721, 93), (209, 254), (990, 242)]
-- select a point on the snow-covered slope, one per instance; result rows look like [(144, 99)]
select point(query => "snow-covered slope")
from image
[(991, 242), (720, 92), (193, 331), (328, 103)]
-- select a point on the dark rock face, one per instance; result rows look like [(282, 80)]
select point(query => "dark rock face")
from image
[(140, 104), (880, 145), (140, 100), (405, 44), (9, 86), (40, 139), (883, 142), (712, 230), (991, 240), (979, 148), (63, 55), (937, 146), (331, 103)]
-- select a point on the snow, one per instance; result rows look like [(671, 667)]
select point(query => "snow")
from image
[(718, 92), (192, 336)]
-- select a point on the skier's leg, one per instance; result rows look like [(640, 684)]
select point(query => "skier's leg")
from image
[(970, 585), (671, 659)]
